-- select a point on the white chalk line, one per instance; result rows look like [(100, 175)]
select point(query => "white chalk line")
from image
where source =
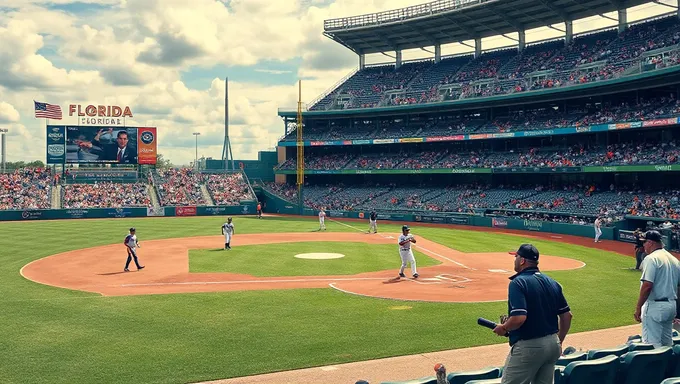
[(415, 246), (251, 281), (413, 300)]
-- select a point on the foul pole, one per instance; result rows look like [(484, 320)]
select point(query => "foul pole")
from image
[(300, 152), (226, 147)]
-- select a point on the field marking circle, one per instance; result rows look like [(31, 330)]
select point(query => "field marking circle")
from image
[(319, 256)]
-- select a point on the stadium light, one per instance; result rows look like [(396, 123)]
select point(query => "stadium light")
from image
[(196, 160)]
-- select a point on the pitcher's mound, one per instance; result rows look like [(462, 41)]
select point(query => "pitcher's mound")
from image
[(319, 256)]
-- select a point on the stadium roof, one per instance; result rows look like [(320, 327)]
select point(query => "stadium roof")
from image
[(451, 21)]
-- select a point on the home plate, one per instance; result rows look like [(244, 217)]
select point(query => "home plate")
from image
[(498, 271), (319, 256)]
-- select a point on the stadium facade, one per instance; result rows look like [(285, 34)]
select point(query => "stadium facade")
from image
[(561, 131)]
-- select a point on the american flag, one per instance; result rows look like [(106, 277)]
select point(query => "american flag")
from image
[(47, 111)]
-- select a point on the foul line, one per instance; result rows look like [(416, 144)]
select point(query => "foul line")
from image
[(251, 281), (416, 246), (413, 300)]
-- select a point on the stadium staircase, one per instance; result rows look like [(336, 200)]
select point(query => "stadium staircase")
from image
[(206, 195), (56, 197), (153, 194)]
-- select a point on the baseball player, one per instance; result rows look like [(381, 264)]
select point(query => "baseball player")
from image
[(373, 225), (228, 232), (322, 220), (405, 240), (598, 231), (132, 244), (259, 210)]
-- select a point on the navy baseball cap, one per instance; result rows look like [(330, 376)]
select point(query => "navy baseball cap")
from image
[(653, 236), (405, 228), (527, 251), (132, 229)]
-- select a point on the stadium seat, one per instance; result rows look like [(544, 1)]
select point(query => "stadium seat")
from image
[(676, 333), (464, 377), (644, 367), (671, 380), (487, 381), (424, 380), (578, 356), (676, 340), (598, 353), (597, 371), (640, 347), (674, 365)]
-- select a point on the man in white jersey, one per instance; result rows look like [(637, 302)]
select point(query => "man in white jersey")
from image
[(598, 231), (322, 220), (132, 244), (660, 280), (228, 232), (405, 240)]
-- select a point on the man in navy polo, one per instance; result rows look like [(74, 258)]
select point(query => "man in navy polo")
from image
[(535, 303)]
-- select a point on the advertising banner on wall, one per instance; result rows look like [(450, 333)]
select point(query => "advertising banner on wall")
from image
[(146, 145), (185, 211), (56, 144)]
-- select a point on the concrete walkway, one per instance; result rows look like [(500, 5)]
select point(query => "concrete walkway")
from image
[(416, 366)]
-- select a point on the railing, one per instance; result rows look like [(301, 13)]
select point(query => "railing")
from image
[(333, 87), (428, 9)]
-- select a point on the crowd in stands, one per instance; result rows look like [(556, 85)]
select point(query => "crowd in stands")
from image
[(105, 195), (577, 204), (612, 155), (27, 188), (179, 187), (590, 57), (228, 189), (518, 120)]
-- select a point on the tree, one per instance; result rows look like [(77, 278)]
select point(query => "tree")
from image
[(162, 162)]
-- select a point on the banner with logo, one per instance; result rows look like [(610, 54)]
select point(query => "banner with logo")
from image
[(499, 222), (146, 145), (185, 211), (56, 144)]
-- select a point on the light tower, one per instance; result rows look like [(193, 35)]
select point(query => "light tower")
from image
[(300, 152)]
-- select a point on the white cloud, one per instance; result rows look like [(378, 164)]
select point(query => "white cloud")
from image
[(136, 52), (8, 114)]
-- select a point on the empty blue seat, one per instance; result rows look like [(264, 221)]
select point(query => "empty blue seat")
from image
[(676, 340), (640, 347), (645, 367), (487, 381), (597, 371), (598, 353), (482, 374), (578, 356), (671, 380), (676, 333), (674, 365), (423, 380)]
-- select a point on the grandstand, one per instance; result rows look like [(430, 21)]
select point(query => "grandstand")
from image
[(561, 130)]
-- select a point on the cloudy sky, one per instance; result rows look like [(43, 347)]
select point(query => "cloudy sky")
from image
[(167, 60)]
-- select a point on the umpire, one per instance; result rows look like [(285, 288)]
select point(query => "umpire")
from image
[(639, 247), (535, 302)]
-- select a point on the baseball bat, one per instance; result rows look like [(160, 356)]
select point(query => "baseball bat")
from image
[(487, 323)]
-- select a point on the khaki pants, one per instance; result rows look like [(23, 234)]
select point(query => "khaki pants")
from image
[(532, 361)]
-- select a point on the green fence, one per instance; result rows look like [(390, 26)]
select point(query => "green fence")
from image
[(275, 204), (106, 213)]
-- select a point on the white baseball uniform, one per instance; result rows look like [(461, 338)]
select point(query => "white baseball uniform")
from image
[(598, 231), (662, 270), (322, 219), (406, 254), (228, 230)]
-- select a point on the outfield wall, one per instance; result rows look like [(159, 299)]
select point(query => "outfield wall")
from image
[(275, 204), (106, 213)]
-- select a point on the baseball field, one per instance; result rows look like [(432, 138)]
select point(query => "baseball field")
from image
[(199, 313)]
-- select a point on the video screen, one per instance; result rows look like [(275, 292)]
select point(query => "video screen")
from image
[(114, 145)]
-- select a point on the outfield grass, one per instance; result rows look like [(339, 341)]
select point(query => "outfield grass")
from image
[(269, 260), (52, 335)]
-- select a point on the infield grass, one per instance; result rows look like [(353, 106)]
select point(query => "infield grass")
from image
[(270, 260), (52, 335)]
